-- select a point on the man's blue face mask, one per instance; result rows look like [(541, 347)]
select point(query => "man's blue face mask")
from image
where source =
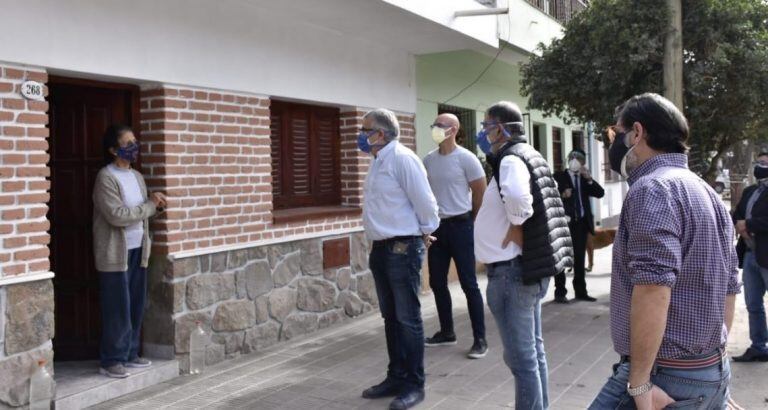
[(362, 140), (483, 142)]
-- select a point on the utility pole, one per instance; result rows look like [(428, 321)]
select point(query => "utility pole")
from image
[(673, 55)]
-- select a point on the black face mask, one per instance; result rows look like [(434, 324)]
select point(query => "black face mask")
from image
[(618, 151), (760, 172)]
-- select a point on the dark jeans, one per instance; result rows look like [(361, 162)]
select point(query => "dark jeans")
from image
[(123, 295), (396, 267), (755, 285), (579, 230), (455, 239)]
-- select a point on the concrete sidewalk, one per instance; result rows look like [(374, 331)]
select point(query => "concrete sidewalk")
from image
[(330, 369)]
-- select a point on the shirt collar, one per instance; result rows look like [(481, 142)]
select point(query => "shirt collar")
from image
[(656, 162), (386, 151)]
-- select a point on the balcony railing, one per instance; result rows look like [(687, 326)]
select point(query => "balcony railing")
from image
[(562, 10)]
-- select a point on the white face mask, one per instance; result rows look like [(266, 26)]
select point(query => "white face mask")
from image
[(627, 168), (574, 165), (438, 135)]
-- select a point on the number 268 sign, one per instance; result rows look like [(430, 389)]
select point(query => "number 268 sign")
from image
[(32, 90)]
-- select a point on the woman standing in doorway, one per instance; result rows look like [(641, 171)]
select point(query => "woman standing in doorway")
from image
[(121, 245)]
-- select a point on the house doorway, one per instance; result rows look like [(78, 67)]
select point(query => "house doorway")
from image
[(80, 111)]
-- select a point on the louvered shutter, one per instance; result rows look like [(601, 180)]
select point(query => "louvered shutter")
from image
[(300, 159), (305, 155), (276, 139), (326, 138)]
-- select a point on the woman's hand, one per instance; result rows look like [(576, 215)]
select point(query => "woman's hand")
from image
[(159, 199)]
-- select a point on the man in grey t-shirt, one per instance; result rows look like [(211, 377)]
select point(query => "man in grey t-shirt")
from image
[(458, 182)]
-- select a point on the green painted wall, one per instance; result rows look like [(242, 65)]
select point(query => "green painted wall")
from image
[(440, 76)]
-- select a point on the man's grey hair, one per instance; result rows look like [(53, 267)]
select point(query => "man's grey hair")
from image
[(384, 120)]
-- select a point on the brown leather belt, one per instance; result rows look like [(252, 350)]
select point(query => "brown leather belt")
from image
[(692, 363)]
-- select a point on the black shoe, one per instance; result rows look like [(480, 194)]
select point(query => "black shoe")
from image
[(441, 339), (387, 388), (586, 298), (479, 349), (407, 400), (562, 299), (752, 355)]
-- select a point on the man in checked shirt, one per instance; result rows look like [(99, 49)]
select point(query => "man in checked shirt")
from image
[(675, 273)]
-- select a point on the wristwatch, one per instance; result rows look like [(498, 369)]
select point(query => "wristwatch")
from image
[(639, 390)]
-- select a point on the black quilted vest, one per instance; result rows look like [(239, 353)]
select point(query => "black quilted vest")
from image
[(547, 248)]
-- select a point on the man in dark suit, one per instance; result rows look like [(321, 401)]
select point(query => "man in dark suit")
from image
[(751, 220), (576, 187)]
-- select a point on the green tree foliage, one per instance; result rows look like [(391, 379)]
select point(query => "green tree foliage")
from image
[(614, 49)]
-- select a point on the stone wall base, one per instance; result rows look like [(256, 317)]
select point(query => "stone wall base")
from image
[(250, 299)]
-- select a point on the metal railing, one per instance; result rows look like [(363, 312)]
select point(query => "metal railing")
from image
[(562, 10)]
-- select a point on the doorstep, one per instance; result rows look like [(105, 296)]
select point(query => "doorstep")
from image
[(79, 384)]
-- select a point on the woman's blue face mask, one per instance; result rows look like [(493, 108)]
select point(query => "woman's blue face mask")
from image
[(129, 152)]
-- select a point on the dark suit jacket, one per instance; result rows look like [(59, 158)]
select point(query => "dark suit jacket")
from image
[(564, 181), (757, 225)]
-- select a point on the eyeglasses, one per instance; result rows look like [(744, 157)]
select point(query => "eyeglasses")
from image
[(439, 125), (488, 124)]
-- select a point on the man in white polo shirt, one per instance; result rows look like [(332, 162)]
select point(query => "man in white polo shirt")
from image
[(458, 181), (399, 214)]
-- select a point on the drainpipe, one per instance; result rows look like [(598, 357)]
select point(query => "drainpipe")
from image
[(481, 12)]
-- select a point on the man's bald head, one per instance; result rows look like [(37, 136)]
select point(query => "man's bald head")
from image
[(448, 120)]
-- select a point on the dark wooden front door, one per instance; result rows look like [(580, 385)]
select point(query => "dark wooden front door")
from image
[(80, 112)]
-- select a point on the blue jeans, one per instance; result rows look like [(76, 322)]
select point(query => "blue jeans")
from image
[(455, 240), (123, 295), (516, 306), (396, 267), (755, 285), (705, 388)]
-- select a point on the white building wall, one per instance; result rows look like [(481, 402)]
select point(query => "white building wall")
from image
[(228, 45), (526, 26), (608, 208)]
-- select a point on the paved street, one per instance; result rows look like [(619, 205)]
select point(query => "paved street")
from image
[(330, 369)]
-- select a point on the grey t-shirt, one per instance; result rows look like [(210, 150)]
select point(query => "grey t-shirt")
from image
[(449, 176)]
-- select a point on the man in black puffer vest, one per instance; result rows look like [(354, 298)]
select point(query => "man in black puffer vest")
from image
[(522, 235)]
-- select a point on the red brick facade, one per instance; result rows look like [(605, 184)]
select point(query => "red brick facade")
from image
[(23, 172), (210, 152)]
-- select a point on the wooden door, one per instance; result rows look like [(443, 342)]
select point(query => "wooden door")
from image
[(80, 112)]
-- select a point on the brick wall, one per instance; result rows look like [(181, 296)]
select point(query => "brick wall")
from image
[(210, 152), (407, 130), (23, 172), (354, 163)]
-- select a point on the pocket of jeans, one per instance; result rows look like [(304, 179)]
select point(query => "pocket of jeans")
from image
[(687, 404), (525, 295)]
